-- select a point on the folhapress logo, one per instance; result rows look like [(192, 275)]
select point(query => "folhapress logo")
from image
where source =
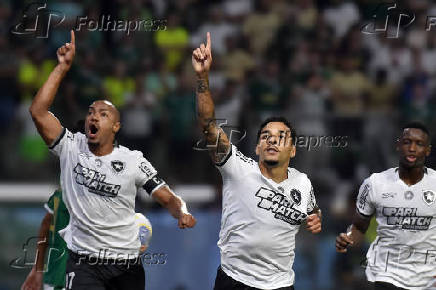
[(387, 20), (37, 21)]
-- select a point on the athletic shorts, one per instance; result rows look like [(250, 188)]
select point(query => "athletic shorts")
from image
[(84, 273), (225, 282), (386, 286)]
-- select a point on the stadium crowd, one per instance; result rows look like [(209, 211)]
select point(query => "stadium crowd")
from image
[(306, 60)]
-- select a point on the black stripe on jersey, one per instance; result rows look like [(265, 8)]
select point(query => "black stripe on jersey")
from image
[(58, 139), (363, 215), (152, 183), (219, 164)]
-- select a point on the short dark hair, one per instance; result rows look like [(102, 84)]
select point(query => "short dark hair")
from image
[(416, 125), (281, 120)]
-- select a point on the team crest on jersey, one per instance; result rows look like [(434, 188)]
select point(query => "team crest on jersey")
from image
[(429, 197), (296, 196), (117, 165)]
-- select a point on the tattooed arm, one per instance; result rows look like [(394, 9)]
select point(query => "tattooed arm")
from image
[(216, 139)]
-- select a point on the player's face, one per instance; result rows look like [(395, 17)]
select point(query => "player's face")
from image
[(414, 147), (101, 123), (275, 146)]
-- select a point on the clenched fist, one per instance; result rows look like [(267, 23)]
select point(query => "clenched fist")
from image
[(187, 221)]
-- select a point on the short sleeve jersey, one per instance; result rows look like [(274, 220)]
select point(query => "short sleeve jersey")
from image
[(99, 192), (260, 219), (404, 251)]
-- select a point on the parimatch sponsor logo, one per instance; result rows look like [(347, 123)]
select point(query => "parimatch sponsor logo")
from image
[(278, 204), (95, 181), (407, 218)]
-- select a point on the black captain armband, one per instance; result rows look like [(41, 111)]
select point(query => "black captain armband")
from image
[(153, 183)]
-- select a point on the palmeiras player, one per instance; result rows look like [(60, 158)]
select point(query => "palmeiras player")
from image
[(402, 199), (264, 202), (99, 183)]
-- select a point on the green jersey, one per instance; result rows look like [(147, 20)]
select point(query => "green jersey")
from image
[(57, 253)]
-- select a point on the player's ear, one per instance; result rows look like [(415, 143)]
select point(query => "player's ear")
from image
[(257, 150), (428, 150), (116, 127), (293, 150), (397, 145)]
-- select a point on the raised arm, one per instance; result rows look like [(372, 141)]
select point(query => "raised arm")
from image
[(47, 124), (216, 140), (175, 205)]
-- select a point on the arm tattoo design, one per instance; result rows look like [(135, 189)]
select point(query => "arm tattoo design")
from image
[(202, 86)]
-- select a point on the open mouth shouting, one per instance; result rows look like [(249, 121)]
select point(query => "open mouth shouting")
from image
[(92, 131)]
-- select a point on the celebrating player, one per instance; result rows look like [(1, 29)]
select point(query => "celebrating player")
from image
[(264, 203), (99, 182), (403, 202)]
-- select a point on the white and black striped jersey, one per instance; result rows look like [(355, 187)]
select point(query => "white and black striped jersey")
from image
[(260, 219), (99, 192), (404, 252)]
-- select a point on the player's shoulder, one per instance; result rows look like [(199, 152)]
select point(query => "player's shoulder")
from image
[(388, 175), (77, 137), (297, 175), (430, 172), (129, 153), (240, 157)]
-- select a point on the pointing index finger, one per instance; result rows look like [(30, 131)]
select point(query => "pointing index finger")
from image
[(208, 43), (73, 38)]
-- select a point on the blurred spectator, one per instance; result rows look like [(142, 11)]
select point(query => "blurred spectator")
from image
[(237, 9), (305, 59), (237, 61), (379, 140), (160, 80), (260, 27), (117, 85), (219, 29), (138, 118), (228, 104), (9, 97), (180, 113), (308, 112), (267, 93), (90, 88), (341, 16), (172, 42), (349, 87)]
